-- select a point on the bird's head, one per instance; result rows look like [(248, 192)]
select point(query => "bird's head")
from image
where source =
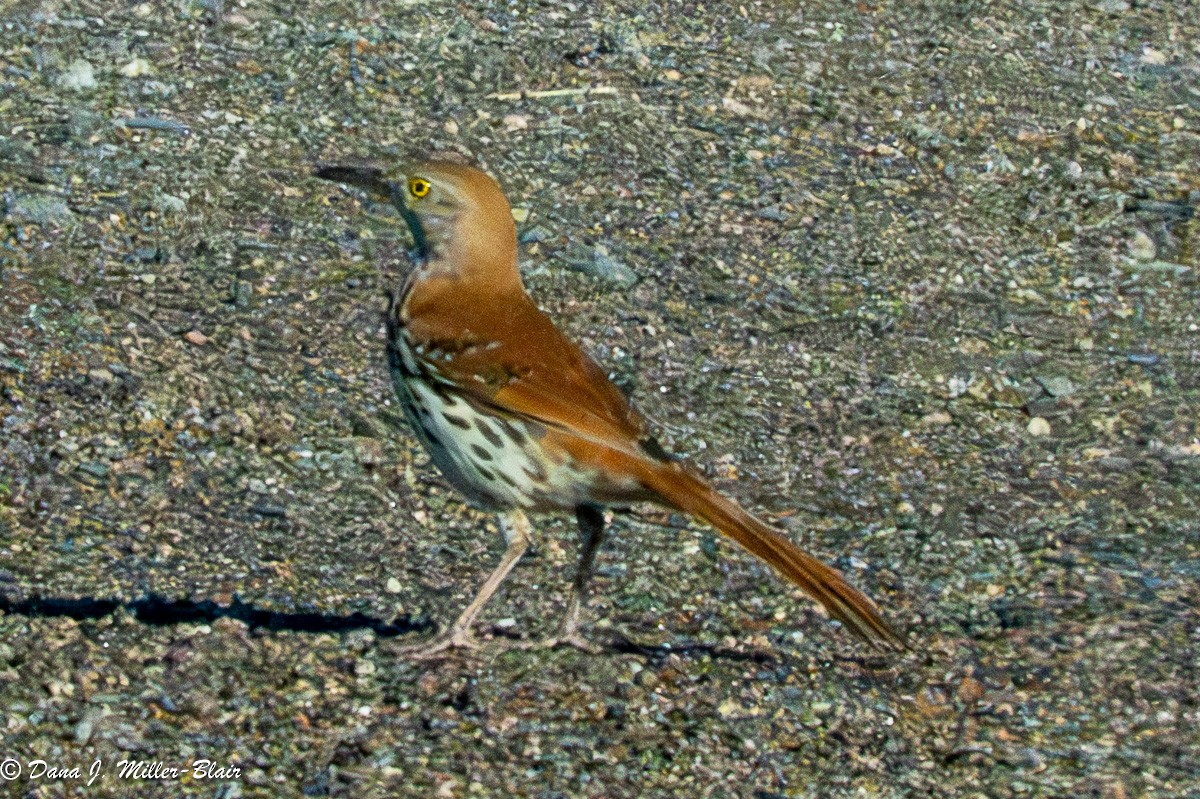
[(455, 212)]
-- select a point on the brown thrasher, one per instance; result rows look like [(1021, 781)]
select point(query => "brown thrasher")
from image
[(518, 418)]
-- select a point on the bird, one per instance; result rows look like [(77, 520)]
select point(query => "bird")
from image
[(519, 419)]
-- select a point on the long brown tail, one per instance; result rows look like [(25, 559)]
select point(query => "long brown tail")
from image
[(688, 492)]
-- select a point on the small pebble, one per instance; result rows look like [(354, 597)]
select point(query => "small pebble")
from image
[(83, 731), (78, 76), (40, 209), (137, 68), (1038, 426), (1142, 248), (1057, 385)]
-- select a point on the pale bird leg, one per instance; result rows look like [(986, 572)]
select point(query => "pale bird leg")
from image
[(518, 534)]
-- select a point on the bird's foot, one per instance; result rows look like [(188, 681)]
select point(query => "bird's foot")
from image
[(565, 638), (442, 646)]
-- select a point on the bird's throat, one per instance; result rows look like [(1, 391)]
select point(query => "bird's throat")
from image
[(420, 251)]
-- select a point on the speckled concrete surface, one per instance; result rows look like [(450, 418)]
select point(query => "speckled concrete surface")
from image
[(916, 281)]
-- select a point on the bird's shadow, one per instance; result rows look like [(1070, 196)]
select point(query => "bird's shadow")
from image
[(161, 611)]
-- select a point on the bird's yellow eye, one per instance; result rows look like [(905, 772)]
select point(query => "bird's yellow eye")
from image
[(418, 187)]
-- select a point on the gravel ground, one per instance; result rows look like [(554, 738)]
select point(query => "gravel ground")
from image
[(917, 281)]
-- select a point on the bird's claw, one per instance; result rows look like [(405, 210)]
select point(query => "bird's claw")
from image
[(442, 646), (565, 638)]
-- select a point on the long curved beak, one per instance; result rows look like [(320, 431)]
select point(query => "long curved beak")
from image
[(371, 179), (364, 177)]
